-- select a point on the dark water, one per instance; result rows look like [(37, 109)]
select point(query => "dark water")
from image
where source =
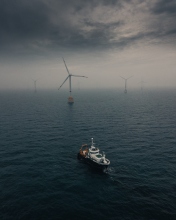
[(40, 135)]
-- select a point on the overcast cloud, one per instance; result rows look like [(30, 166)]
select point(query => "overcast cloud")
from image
[(109, 30)]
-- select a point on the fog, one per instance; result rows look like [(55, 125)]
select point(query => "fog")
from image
[(102, 40)]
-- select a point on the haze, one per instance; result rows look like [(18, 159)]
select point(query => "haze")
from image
[(102, 40)]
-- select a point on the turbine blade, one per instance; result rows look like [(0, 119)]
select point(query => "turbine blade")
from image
[(63, 82), (122, 78), (129, 77), (79, 76), (35, 79), (66, 66)]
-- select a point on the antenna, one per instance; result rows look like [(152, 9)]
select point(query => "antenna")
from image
[(92, 142), (70, 99), (125, 91)]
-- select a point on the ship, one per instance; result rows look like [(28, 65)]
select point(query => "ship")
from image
[(93, 156)]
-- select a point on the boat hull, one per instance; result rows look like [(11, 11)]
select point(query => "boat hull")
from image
[(92, 162)]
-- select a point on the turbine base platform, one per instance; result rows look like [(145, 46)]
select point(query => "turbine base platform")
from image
[(70, 100)]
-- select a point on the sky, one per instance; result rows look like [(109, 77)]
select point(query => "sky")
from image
[(100, 39)]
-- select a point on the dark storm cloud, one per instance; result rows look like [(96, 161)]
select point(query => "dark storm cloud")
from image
[(35, 24), (165, 6), (164, 12), (22, 18)]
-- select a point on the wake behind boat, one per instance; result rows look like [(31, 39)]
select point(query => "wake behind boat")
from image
[(93, 156)]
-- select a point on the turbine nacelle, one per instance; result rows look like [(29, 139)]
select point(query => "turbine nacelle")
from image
[(126, 78)]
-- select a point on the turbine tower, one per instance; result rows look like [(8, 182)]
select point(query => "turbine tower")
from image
[(70, 98), (125, 91)]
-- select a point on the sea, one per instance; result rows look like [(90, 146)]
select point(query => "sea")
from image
[(41, 134)]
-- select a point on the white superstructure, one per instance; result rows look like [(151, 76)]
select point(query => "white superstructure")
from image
[(95, 155)]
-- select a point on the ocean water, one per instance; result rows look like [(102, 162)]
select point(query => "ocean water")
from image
[(40, 136)]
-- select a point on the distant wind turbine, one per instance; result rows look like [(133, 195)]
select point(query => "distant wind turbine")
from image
[(35, 86), (125, 91), (142, 83), (70, 98)]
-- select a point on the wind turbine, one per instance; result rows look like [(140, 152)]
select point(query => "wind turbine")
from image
[(125, 91), (70, 98), (142, 83), (35, 85)]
